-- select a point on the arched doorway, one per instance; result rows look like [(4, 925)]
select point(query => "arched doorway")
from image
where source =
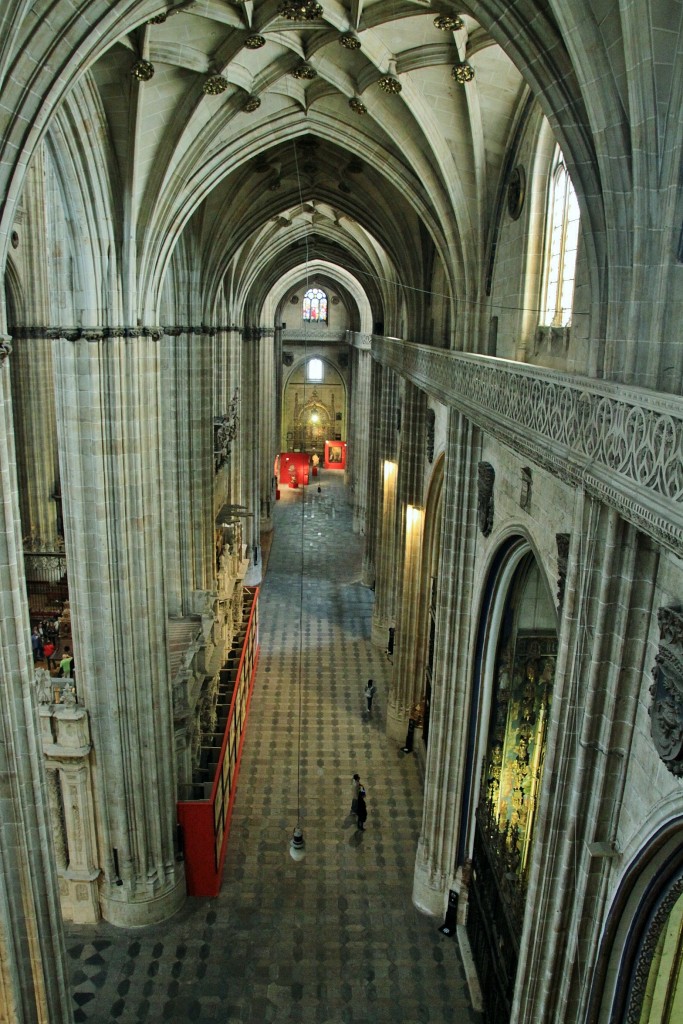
[(516, 657), (313, 410), (638, 977)]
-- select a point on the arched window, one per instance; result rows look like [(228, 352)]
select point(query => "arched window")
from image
[(561, 246), (315, 371), (315, 306)]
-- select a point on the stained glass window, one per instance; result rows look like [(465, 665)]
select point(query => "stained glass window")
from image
[(315, 306), (563, 240)]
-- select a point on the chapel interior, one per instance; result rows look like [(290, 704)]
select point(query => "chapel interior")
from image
[(341, 340)]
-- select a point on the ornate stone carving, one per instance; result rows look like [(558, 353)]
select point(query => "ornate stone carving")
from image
[(225, 432), (288, 358), (666, 710), (485, 479), (44, 691), (5, 347), (623, 444), (431, 425), (525, 491), (562, 541)]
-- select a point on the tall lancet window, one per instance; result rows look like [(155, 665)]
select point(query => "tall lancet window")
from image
[(315, 306), (561, 246)]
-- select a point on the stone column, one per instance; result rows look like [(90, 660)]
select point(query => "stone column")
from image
[(250, 393), (435, 862), (268, 429), (187, 430), (33, 976), (373, 479), (361, 433), (111, 441), (32, 379), (407, 687), (385, 563)]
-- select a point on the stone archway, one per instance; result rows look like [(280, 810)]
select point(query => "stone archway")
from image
[(515, 670)]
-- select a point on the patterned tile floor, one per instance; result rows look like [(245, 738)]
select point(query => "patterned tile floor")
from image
[(335, 938)]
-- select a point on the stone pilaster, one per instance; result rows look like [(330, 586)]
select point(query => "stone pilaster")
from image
[(32, 379), (407, 686), (33, 976), (445, 768), (111, 439), (361, 435), (187, 426), (268, 430), (383, 615), (250, 392), (373, 479)]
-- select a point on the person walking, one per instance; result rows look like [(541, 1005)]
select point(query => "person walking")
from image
[(362, 811), (356, 788), (49, 652), (370, 691)]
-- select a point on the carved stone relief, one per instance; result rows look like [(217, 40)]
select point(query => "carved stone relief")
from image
[(525, 492), (666, 711), (562, 541), (431, 423), (485, 481)]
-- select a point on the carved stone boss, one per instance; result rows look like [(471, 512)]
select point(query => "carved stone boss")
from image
[(666, 711)]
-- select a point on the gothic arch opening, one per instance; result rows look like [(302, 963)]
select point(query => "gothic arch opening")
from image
[(313, 412), (639, 973), (514, 674)]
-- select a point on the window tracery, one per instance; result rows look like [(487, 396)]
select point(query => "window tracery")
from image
[(314, 307), (563, 223)]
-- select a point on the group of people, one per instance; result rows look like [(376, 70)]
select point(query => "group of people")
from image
[(44, 647), (358, 804)]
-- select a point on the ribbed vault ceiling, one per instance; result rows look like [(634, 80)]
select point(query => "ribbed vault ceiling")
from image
[(304, 176)]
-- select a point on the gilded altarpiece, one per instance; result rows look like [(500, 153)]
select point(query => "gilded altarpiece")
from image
[(509, 793)]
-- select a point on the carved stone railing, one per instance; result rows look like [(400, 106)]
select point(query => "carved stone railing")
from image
[(313, 332), (623, 444)]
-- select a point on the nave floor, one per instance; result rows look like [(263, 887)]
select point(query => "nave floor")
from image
[(335, 938)]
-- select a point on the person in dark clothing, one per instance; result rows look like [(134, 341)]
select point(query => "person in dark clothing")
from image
[(370, 691), (362, 811)]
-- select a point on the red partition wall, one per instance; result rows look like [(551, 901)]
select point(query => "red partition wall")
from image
[(205, 820), (294, 468), (335, 454)]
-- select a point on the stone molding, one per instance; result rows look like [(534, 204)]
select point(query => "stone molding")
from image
[(312, 333), (622, 443), (100, 333)]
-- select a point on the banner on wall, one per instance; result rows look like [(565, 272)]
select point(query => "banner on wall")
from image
[(335, 454)]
